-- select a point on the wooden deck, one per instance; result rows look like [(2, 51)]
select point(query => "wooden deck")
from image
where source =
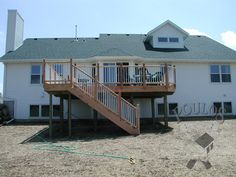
[(137, 81), (104, 88)]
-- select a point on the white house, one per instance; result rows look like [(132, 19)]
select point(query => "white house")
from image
[(196, 74)]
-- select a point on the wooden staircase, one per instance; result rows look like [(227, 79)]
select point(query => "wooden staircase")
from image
[(98, 96)]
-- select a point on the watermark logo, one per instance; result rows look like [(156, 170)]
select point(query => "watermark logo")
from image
[(205, 140)]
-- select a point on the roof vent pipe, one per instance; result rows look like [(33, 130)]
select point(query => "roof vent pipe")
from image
[(76, 38)]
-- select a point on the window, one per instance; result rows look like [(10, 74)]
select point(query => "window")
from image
[(109, 73), (227, 107), (160, 109), (217, 107), (34, 110), (162, 39), (35, 74), (56, 110), (215, 73), (225, 72), (45, 110), (220, 73), (58, 68), (173, 39), (172, 108)]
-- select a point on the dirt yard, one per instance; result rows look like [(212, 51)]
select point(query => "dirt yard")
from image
[(155, 153)]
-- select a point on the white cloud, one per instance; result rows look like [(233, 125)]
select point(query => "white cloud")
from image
[(195, 32), (229, 39)]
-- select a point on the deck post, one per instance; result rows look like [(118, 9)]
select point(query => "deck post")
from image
[(50, 115), (44, 71), (165, 111), (95, 87), (144, 75), (121, 74), (61, 113), (50, 73), (98, 71), (69, 114), (153, 110), (138, 117), (95, 118), (71, 73), (119, 104), (174, 75), (166, 75)]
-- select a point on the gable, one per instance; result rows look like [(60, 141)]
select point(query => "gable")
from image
[(167, 35)]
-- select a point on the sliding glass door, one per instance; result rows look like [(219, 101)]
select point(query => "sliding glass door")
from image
[(109, 73)]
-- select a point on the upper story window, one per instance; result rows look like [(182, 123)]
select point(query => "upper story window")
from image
[(162, 39), (58, 68), (225, 73), (173, 39), (170, 39), (220, 73), (35, 74)]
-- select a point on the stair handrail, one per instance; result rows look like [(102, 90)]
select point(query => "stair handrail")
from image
[(96, 81), (123, 101)]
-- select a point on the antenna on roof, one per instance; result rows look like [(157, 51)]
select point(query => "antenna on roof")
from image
[(76, 38)]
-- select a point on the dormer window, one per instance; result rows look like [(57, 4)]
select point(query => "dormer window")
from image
[(162, 39), (167, 35), (173, 39)]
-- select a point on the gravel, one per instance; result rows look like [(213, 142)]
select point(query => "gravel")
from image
[(155, 153)]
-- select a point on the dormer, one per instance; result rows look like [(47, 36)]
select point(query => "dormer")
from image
[(167, 35)]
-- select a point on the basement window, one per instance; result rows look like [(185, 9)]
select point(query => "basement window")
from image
[(34, 110), (227, 107), (45, 110), (160, 108), (220, 106), (56, 110), (172, 108)]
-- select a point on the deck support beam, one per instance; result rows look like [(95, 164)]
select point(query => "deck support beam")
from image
[(50, 115), (165, 111), (153, 110), (69, 114), (61, 113), (95, 118)]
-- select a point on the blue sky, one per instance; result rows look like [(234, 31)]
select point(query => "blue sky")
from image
[(57, 18)]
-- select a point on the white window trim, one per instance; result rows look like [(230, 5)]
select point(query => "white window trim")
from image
[(220, 73), (173, 41), (41, 72), (222, 105)]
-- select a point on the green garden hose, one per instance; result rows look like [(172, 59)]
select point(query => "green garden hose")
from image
[(48, 146)]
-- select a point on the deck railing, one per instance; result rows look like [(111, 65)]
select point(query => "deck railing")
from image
[(113, 75), (57, 73), (133, 75), (68, 73)]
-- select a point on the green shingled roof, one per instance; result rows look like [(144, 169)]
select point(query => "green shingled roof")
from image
[(196, 48)]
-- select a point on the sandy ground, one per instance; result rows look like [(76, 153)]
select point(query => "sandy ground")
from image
[(155, 154)]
